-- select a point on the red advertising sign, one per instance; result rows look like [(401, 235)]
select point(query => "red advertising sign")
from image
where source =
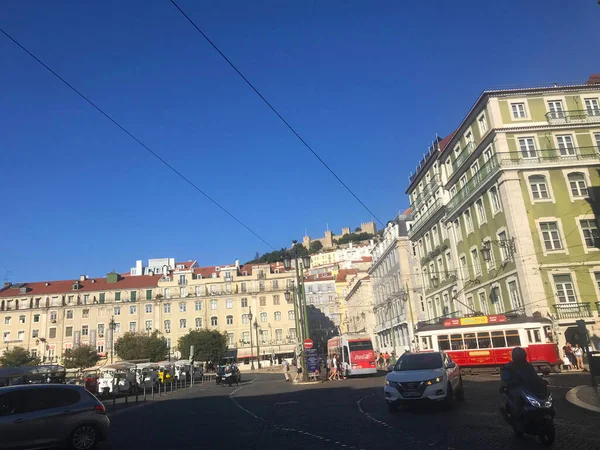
[(476, 320), (308, 343)]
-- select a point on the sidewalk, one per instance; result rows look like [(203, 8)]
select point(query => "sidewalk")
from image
[(586, 397)]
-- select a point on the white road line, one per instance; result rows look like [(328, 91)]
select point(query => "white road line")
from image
[(362, 411)]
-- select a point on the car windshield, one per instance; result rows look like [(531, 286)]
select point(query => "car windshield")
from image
[(419, 361)]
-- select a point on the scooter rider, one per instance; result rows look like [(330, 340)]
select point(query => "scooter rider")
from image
[(517, 375)]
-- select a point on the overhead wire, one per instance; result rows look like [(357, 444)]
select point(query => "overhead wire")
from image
[(275, 111), (138, 141)]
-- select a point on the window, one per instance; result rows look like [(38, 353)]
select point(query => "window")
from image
[(182, 323), (470, 342), (149, 308), (512, 338), (278, 336), (101, 329), (133, 296), (503, 252), (245, 318), (35, 333), (539, 188), (229, 320), (68, 331), (463, 181), (117, 311), (456, 341), (167, 308), (148, 325), (69, 313), (245, 337), (244, 302), (263, 316), (534, 336), (36, 318), (263, 301), (198, 290), (577, 184), (492, 262), (117, 296), (213, 321), (291, 315), (518, 110), (496, 298), (102, 297), (487, 154), (527, 147), (565, 145), (474, 168), (469, 138), (555, 109), (276, 299), (498, 340), (198, 322), (449, 265), (482, 124), (182, 307), (476, 263), (229, 303), (148, 294), (182, 292), (275, 284), (443, 342), (463, 268), (483, 303), (53, 315), (85, 330), (167, 326), (132, 309), (515, 298), (230, 339), (133, 327), (167, 293), (480, 211), (592, 107), (590, 233), (550, 235), (495, 199), (440, 268), (213, 304), (198, 306), (277, 315), (468, 221), (457, 230)]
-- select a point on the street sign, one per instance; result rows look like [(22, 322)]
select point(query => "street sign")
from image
[(312, 359), (308, 343)]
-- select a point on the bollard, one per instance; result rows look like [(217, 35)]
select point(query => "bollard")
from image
[(159, 389), (126, 396), (171, 384), (137, 392), (144, 391), (153, 390)]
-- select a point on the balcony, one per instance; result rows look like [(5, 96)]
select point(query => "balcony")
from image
[(572, 310), (423, 218), (429, 188), (573, 116), (489, 169), (462, 156), (549, 156)]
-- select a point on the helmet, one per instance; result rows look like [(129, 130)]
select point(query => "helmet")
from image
[(519, 355)]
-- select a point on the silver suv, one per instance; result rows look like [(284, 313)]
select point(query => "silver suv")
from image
[(49, 415)]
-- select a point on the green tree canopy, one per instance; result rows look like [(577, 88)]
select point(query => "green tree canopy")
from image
[(315, 247), (18, 356), (209, 345), (80, 357), (278, 255), (133, 346), (353, 237)]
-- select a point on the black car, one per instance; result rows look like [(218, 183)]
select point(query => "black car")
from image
[(228, 376)]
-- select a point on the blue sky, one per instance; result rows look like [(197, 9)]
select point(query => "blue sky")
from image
[(367, 84)]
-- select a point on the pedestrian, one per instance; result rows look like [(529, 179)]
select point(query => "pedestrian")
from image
[(345, 370), (578, 352), (286, 369), (387, 359), (393, 359), (298, 369), (570, 355), (332, 368), (327, 367), (380, 361), (339, 367)]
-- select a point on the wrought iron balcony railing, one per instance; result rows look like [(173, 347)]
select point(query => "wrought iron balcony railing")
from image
[(590, 115), (572, 310), (462, 156), (480, 177), (548, 156), (423, 218)]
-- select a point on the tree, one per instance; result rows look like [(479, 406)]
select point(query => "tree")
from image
[(133, 346), (354, 238), (315, 247), (80, 357), (18, 356), (209, 345), (357, 229)]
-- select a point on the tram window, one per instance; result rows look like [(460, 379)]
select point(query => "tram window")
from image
[(470, 342), (548, 334), (443, 342), (456, 341), (426, 343), (498, 340), (534, 336), (484, 340), (512, 338)]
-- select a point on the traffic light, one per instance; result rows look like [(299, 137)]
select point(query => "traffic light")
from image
[(582, 335)]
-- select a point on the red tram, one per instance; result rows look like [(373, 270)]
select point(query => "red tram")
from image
[(487, 341)]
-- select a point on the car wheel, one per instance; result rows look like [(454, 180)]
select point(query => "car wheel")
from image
[(392, 407), (448, 402), (84, 437), (460, 391)]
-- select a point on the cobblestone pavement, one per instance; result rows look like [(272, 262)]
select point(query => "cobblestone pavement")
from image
[(265, 412)]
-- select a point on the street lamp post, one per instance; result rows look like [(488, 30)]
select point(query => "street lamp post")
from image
[(300, 307), (257, 344), (251, 345), (111, 327)]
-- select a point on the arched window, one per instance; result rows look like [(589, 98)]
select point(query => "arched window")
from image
[(539, 188), (578, 184)]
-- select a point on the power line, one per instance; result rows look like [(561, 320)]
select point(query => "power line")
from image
[(286, 123), (124, 130)]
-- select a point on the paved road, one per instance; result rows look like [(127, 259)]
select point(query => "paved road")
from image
[(267, 413)]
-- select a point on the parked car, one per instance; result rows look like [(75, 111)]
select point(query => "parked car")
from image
[(50, 415), (423, 376)]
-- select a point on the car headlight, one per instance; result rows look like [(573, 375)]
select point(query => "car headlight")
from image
[(533, 401), (387, 382), (433, 381)]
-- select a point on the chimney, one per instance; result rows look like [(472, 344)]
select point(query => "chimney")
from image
[(47, 284), (82, 277), (237, 264)]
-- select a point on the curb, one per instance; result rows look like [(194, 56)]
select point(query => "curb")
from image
[(150, 401), (572, 398)]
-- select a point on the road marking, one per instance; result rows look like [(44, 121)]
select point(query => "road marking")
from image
[(286, 403), (362, 411)]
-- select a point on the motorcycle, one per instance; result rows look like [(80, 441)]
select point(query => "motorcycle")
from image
[(536, 412)]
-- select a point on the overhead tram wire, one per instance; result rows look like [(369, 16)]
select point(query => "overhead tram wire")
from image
[(128, 133), (286, 123)]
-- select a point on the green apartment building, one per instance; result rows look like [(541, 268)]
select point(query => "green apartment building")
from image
[(505, 209)]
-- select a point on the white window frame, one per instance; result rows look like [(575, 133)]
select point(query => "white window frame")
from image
[(595, 134), (519, 293), (491, 198), (476, 264), (492, 262), (497, 310), (596, 112), (560, 114), (481, 216), (472, 230), (573, 276), (535, 149), (504, 255), (482, 120), (462, 269), (485, 310), (565, 248), (578, 220), (586, 176), (573, 137), (546, 174), (525, 109)]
